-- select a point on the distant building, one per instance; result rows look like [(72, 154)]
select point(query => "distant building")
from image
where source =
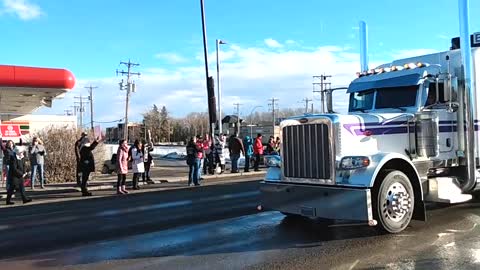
[(265, 128), (114, 134), (29, 124)]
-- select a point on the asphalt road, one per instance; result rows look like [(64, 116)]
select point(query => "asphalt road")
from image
[(217, 227)]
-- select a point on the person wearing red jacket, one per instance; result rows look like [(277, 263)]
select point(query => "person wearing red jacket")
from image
[(257, 151)]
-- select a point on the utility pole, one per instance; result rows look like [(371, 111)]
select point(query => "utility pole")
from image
[(90, 98), (80, 105), (324, 85), (129, 86), (212, 113), (274, 104), (306, 100), (238, 117)]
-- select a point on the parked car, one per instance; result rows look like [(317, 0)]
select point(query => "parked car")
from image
[(110, 166)]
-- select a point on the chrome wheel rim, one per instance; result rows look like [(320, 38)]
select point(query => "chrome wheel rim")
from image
[(397, 203)]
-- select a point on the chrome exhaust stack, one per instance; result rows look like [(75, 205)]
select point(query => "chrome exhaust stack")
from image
[(362, 26), (469, 97)]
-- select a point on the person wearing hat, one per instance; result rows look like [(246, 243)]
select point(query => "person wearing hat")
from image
[(17, 175), (78, 144), (87, 163)]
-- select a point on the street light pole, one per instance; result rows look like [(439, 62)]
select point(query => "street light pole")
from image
[(218, 43)]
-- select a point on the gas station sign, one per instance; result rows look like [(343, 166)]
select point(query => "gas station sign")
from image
[(10, 131)]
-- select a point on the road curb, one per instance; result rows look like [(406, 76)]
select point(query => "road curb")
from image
[(111, 184)]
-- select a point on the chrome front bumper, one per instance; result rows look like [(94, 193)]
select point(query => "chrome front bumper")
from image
[(317, 201)]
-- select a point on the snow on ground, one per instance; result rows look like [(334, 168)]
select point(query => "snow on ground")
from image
[(170, 152)]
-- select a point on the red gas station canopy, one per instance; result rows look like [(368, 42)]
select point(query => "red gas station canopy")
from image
[(19, 76), (25, 89)]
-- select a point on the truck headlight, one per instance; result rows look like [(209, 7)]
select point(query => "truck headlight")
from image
[(351, 163), (272, 161)]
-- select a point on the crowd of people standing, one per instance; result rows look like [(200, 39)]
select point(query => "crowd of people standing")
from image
[(14, 166), (138, 155), (207, 156), (204, 156)]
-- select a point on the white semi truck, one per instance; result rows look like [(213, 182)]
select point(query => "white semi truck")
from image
[(410, 136)]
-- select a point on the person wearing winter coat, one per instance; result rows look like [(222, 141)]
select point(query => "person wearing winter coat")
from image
[(78, 173), (270, 149), (220, 152), (208, 158), (137, 163), (122, 167), (8, 156), (193, 162), (87, 162), (37, 161), (147, 163), (248, 145), (258, 151), (277, 145), (17, 174), (235, 146)]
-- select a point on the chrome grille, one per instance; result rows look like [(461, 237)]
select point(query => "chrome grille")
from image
[(306, 151)]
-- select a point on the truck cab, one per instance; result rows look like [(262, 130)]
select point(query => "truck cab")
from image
[(403, 142)]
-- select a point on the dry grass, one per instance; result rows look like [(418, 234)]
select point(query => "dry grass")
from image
[(60, 164)]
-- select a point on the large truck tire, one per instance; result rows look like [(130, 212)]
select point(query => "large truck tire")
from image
[(393, 201)]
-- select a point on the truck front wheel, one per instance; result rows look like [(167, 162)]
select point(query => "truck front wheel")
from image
[(393, 200)]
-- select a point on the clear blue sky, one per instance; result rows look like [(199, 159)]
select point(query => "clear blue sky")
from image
[(90, 37)]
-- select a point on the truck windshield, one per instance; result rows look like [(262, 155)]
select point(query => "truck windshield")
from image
[(396, 97), (361, 101)]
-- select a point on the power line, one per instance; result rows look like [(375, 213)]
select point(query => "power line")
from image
[(324, 85), (129, 87), (81, 109), (307, 101), (274, 105)]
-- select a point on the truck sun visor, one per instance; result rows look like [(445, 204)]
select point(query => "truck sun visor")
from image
[(406, 80)]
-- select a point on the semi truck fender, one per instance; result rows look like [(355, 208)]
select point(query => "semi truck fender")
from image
[(367, 177), (395, 161)]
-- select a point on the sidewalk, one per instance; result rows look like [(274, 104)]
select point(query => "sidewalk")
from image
[(165, 173)]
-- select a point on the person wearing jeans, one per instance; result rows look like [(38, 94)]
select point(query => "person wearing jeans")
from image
[(37, 153), (248, 145), (200, 157), (258, 151), (235, 145), (193, 162)]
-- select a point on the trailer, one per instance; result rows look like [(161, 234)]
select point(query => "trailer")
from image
[(411, 136)]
